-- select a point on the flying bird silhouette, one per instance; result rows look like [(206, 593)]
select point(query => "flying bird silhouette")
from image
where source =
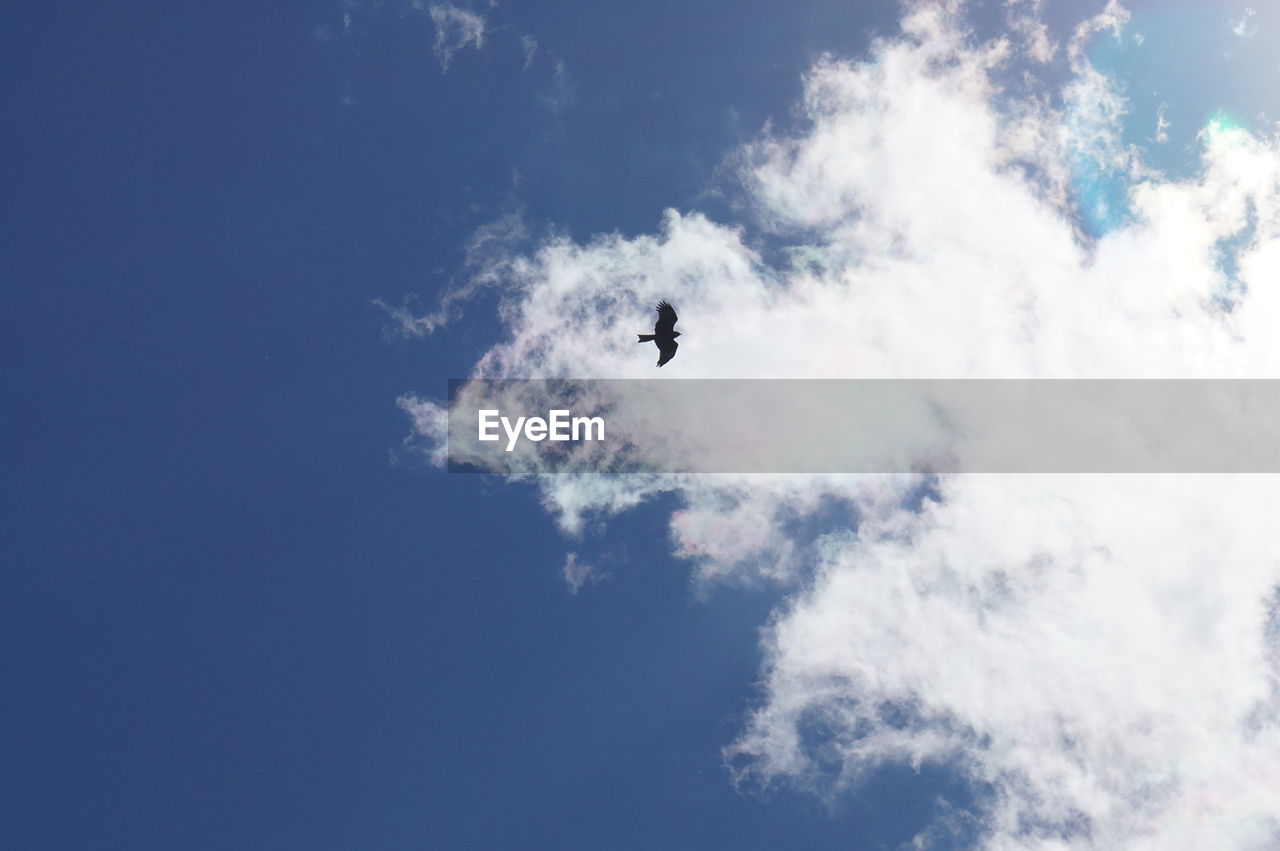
[(664, 333)]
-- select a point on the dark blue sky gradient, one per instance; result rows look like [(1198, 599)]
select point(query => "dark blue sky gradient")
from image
[(236, 614)]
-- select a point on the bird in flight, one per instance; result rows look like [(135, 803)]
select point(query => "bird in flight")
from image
[(664, 333)]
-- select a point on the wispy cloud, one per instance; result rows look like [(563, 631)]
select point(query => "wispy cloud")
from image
[(1100, 653), (577, 575), (1245, 26), (487, 256), (562, 93), (1024, 20), (530, 46), (456, 28)]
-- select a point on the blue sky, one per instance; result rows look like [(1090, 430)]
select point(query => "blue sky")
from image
[(232, 621), (241, 611)]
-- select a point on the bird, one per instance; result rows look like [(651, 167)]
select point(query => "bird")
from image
[(664, 333)]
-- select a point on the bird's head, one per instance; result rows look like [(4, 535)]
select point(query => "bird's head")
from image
[(676, 334)]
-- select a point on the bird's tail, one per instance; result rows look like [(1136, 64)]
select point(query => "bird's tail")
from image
[(644, 338)]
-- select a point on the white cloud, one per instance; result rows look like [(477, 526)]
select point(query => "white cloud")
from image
[(578, 575), (562, 93), (1090, 646), (1162, 124), (1113, 17), (1096, 649), (456, 28), (484, 264), (1245, 26), (1025, 21), (430, 423), (530, 46)]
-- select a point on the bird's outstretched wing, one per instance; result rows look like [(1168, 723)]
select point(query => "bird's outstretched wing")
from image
[(667, 350), (666, 323)]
